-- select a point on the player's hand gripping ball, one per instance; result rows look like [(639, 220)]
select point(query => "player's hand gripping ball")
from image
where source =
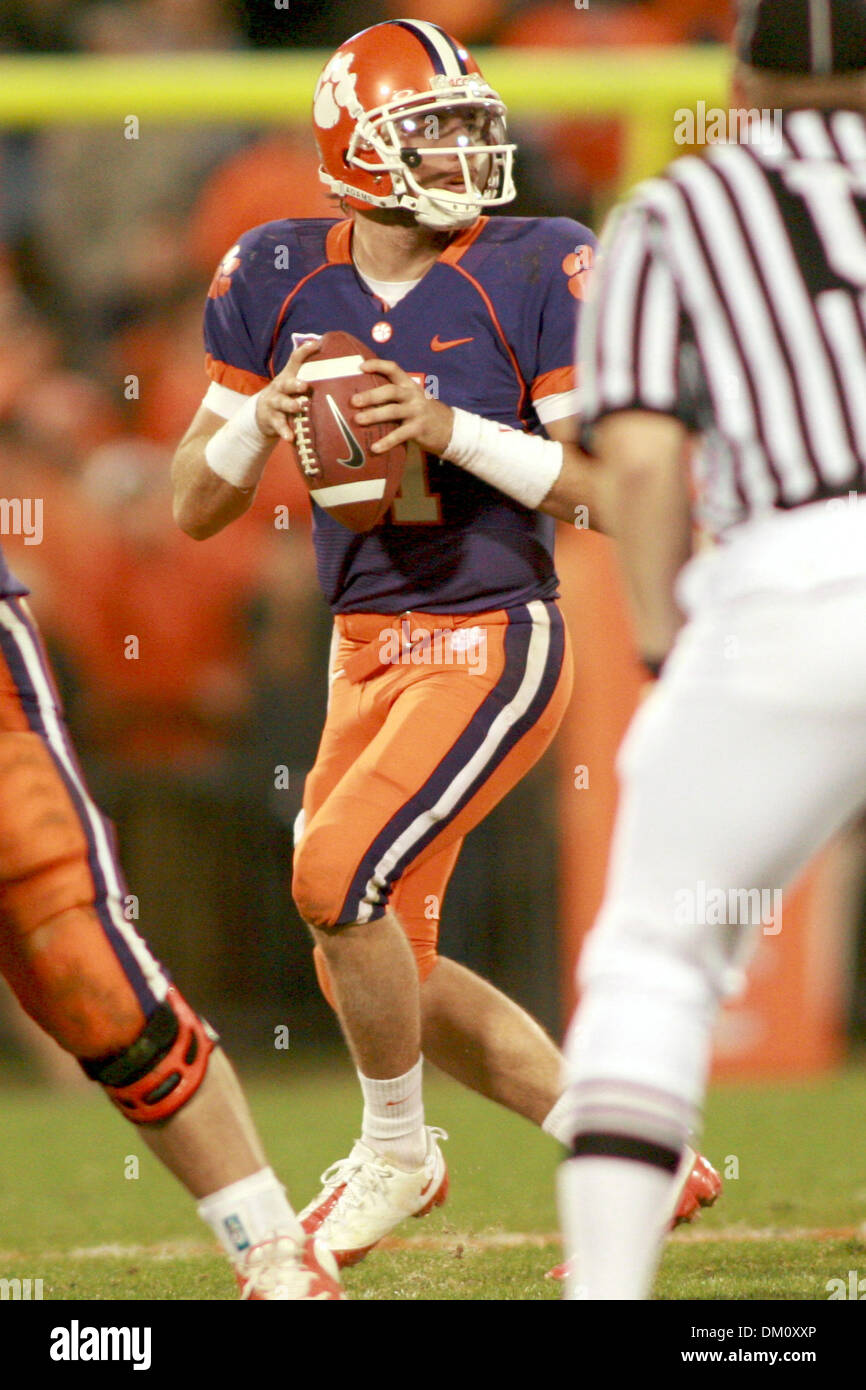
[(334, 451)]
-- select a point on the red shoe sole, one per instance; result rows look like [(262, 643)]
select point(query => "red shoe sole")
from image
[(702, 1189)]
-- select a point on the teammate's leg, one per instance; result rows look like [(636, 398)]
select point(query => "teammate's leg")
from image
[(212, 1141), (733, 774), (84, 975)]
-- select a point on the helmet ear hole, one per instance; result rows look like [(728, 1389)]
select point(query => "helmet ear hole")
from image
[(345, 157)]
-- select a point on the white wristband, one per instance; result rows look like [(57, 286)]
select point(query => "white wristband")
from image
[(235, 452), (523, 466)]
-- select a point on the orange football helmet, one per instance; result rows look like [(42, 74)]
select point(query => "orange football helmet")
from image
[(395, 95)]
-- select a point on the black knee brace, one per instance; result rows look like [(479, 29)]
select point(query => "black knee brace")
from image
[(163, 1068)]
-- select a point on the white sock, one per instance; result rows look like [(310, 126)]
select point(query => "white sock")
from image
[(560, 1120), (394, 1116), (614, 1218), (250, 1211)]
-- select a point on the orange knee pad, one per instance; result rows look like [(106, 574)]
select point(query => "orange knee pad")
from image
[(65, 948), (67, 977), (43, 847), (54, 950)]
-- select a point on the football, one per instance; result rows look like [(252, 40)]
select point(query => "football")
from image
[(334, 452)]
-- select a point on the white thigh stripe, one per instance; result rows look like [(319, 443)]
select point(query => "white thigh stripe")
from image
[(536, 661)]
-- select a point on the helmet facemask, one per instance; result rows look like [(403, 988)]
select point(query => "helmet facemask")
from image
[(396, 138)]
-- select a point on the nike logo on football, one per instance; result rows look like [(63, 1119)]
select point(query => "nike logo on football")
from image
[(356, 453), (438, 346)]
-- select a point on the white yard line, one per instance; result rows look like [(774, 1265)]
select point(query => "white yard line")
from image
[(453, 1243)]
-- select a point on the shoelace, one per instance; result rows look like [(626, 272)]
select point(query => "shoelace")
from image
[(374, 1172)]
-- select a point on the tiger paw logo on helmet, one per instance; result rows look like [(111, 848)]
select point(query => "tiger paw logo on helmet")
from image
[(335, 88)]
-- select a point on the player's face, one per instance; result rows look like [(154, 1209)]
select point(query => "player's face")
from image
[(449, 130)]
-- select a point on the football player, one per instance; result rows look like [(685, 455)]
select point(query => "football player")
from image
[(471, 319), (81, 971)]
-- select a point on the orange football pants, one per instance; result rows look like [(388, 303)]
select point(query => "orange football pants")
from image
[(432, 720), (73, 960)]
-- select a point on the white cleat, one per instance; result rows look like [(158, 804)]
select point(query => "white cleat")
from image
[(365, 1196), (281, 1270)]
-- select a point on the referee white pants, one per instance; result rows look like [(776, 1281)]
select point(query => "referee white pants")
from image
[(748, 755)]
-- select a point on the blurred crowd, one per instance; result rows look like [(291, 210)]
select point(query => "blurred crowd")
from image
[(65, 26), (193, 675)]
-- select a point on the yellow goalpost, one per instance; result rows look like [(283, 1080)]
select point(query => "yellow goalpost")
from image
[(644, 86)]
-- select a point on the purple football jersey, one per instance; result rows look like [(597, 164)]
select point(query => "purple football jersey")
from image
[(489, 328)]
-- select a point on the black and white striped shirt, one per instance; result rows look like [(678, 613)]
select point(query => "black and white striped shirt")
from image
[(732, 295)]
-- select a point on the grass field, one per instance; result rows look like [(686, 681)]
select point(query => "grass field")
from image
[(787, 1224)]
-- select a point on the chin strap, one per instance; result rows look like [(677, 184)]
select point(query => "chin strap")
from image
[(439, 220)]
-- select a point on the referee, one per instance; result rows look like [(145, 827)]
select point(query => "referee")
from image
[(724, 368)]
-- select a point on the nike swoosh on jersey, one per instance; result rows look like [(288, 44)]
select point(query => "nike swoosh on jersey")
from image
[(438, 346), (356, 453)]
